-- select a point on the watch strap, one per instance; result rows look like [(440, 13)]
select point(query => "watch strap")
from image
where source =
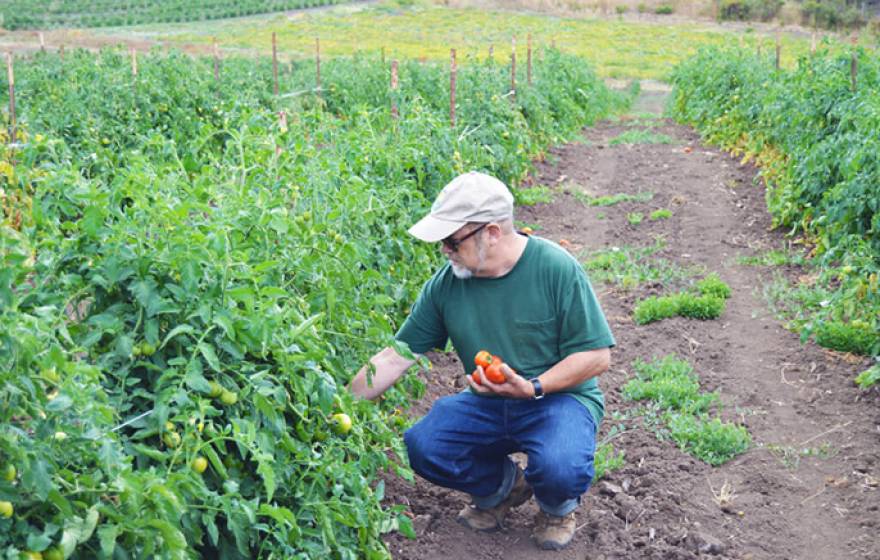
[(539, 390)]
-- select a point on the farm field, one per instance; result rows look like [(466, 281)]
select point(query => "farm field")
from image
[(616, 49), (199, 253)]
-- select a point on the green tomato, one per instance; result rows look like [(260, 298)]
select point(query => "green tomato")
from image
[(9, 473), (216, 389), (341, 423), (171, 439), (147, 349), (199, 464), (228, 398), (53, 553), (6, 509)]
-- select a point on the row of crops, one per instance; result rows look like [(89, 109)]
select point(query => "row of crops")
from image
[(813, 130), (46, 14), (192, 270)]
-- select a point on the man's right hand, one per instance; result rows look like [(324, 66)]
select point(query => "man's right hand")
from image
[(389, 366)]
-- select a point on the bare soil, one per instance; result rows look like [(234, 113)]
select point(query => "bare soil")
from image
[(807, 489)]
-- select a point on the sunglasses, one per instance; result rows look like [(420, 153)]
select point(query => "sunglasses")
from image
[(453, 244)]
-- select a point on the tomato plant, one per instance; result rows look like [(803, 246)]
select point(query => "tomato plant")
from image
[(187, 284)]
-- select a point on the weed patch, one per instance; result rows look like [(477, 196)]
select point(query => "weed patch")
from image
[(671, 385), (640, 137), (708, 302)]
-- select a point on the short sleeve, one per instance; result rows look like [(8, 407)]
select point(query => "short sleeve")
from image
[(583, 325), (424, 329)]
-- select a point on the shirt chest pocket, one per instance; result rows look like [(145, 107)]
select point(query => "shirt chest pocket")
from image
[(537, 344)]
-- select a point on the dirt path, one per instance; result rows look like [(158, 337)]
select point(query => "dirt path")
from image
[(807, 489)]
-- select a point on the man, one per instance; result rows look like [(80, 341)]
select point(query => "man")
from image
[(528, 301)]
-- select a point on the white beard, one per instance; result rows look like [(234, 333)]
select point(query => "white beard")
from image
[(461, 272)]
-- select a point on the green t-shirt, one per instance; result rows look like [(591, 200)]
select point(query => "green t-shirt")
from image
[(534, 316)]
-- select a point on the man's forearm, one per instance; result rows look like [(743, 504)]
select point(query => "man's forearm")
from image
[(389, 366), (575, 369)]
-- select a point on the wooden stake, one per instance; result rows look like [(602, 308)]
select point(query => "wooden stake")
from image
[(383, 57), (813, 43), (318, 64), (452, 72), (133, 69), (61, 52), (529, 60), (491, 51), (274, 64), (42, 43), (513, 68), (394, 112), (11, 76)]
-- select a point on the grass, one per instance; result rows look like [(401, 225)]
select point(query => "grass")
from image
[(635, 218), (706, 301), (606, 460), (532, 195), (617, 49), (611, 199), (671, 385), (660, 214), (642, 136), (631, 267)]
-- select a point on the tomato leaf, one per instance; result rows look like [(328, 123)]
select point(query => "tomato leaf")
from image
[(210, 356)]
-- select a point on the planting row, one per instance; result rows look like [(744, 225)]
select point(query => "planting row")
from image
[(813, 132), (193, 268), (44, 14)]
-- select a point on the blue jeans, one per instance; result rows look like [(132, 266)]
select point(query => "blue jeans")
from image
[(464, 441)]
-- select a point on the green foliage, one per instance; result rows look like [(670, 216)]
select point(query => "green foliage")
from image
[(832, 14), (635, 218), (671, 383), (857, 337), (45, 14), (640, 137), (664, 9), (869, 377), (186, 274), (661, 214), (712, 285), (815, 138), (745, 10), (706, 302), (709, 439), (612, 199), (656, 308), (532, 195), (607, 460), (630, 267)]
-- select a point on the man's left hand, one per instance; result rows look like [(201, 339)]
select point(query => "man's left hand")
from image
[(514, 386)]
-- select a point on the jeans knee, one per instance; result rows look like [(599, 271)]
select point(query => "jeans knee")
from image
[(568, 480)]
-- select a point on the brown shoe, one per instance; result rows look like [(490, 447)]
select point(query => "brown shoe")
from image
[(489, 520), (552, 532)]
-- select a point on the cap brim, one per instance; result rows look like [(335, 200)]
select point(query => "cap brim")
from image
[(432, 229)]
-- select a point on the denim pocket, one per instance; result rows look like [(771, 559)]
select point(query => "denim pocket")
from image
[(537, 344)]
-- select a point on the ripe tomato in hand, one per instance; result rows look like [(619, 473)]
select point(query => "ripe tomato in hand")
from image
[(483, 359), (476, 377), (494, 373)]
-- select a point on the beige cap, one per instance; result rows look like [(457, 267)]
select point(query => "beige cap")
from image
[(472, 197)]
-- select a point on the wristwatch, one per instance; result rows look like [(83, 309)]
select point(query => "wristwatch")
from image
[(539, 391)]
